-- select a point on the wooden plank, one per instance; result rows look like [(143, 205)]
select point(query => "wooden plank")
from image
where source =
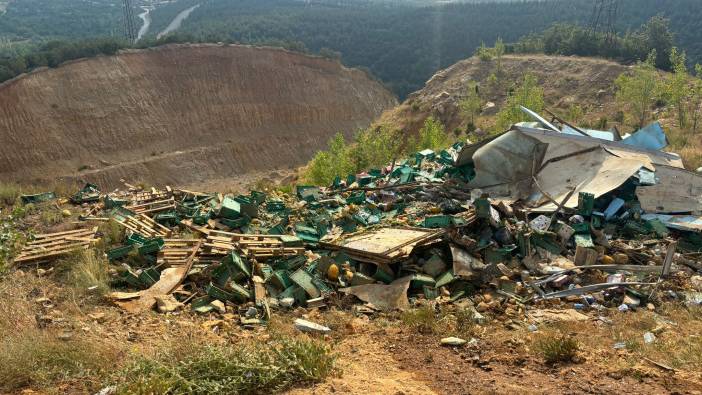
[(68, 232)]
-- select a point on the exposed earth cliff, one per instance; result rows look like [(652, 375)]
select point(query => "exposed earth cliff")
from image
[(179, 114)]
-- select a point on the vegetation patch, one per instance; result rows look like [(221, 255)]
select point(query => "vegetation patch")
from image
[(557, 348), (251, 368)]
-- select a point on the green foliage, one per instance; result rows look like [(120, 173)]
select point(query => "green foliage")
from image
[(328, 164), (423, 320), (471, 105), (677, 89), (50, 216), (247, 369), (400, 43), (571, 39), (54, 53), (657, 36), (375, 147), (431, 136), (555, 349), (529, 94), (695, 102), (575, 114), (499, 51), (484, 53), (640, 89), (11, 240)]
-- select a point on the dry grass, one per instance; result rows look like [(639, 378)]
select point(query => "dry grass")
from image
[(50, 216), (86, 274), (34, 357), (688, 145), (9, 193), (678, 341), (248, 368), (111, 234)]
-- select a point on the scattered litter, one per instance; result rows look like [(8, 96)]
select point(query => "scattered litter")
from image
[(504, 219), (453, 341), (311, 327)]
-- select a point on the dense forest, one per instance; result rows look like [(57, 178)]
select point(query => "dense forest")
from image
[(402, 43)]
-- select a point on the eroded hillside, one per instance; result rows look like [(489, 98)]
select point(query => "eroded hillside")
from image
[(567, 81), (179, 114)]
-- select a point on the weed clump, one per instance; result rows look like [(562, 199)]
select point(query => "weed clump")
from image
[(254, 368), (556, 349), (9, 193), (87, 272), (422, 320)]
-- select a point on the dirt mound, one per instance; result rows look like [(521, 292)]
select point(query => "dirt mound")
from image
[(179, 114), (566, 81)]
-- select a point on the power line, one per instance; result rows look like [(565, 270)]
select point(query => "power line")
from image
[(129, 29)]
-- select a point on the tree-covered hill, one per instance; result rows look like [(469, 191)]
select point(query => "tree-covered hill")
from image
[(403, 43)]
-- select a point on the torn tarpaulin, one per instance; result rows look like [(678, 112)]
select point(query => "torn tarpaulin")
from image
[(385, 297)]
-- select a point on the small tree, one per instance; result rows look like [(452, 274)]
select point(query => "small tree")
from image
[(576, 114), (374, 147), (432, 136), (471, 105), (695, 101), (677, 87), (639, 89), (499, 51), (529, 94), (328, 164), (484, 53)]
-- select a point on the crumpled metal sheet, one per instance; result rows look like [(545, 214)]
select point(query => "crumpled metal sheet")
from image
[(598, 134), (691, 223), (509, 160), (596, 172), (465, 264), (677, 191), (388, 297), (651, 137)]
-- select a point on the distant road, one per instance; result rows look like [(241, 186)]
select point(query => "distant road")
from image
[(146, 18), (177, 21)]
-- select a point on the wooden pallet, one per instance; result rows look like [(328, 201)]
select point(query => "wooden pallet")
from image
[(250, 245), (153, 195), (155, 206), (176, 252), (49, 246), (142, 224), (384, 246)]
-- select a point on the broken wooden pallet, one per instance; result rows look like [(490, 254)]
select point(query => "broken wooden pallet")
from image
[(175, 252), (49, 246), (141, 224), (385, 245), (153, 195), (252, 246), (155, 206)]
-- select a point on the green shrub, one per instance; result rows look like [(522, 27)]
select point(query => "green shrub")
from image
[(432, 136), (559, 348), (529, 94), (422, 320), (247, 369)]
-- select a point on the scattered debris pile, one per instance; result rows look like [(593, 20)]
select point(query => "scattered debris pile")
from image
[(539, 212)]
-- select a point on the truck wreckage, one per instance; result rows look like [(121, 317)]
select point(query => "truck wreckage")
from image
[(538, 212)]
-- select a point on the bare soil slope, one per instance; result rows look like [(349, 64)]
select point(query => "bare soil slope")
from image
[(588, 82), (179, 114)]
